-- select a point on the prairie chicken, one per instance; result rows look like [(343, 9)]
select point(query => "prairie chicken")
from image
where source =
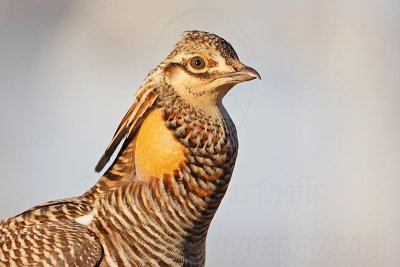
[(154, 204)]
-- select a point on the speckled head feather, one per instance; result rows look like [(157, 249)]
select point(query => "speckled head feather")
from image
[(200, 40)]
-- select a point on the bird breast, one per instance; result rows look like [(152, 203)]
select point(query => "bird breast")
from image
[(157, 151)]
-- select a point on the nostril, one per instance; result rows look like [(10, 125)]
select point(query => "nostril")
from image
[(238, 66)]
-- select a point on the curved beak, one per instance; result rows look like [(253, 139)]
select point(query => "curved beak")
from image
[(248, 73)]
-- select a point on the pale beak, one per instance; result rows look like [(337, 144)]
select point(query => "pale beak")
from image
[(246, 73)]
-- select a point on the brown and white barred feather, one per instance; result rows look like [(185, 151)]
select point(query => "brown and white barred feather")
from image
[(144, 100), (47, 235)]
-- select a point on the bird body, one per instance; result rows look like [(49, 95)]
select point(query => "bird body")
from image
[(154, 204)]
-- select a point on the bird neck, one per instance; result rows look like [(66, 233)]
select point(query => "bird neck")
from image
[(183, 156), (176, 207), (211, 149)]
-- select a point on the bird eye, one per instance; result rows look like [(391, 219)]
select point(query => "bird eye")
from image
[(197, 63)]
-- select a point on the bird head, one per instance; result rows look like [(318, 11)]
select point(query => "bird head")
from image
[(203, 67), (200, 70)]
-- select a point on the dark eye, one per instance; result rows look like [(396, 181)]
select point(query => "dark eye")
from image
[(197, 63)]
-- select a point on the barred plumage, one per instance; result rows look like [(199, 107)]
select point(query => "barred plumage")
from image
[(154, 204)]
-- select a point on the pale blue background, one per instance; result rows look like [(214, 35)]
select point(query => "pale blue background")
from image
[(317, 178)]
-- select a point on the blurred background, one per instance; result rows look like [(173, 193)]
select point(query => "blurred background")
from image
[(317, 178)]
